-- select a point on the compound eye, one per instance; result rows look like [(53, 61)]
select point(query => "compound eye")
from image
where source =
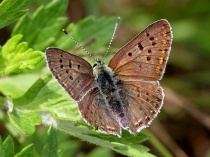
[(94, 65)]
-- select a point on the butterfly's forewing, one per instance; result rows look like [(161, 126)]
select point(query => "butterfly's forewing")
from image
[(145, 56), (142, 102), (95, 112), (73, 73)]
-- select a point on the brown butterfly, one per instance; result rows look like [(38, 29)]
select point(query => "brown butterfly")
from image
[(126, 93)]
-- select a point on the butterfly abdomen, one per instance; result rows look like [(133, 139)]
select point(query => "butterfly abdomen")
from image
[(117, 108)]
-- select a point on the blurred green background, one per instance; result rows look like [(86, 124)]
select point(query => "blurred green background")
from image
[(183, 126)]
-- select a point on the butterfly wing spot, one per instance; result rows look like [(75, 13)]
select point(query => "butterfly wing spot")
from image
[(149, 51), (61, 66), (60, 60), (147, 34), (165, 25), (57, 77), (67, 71), (153, 43), (148, 58), (70, 64), (157, 105), (152, 111), (64, 84), (147, 118), (158, 69), (78, 67), (166, 34), (53, 69), (138, 123), (102, 127), (161, 60), (110, 128), (164, 52), (71, 78), (151, 38), (166, 42), (129, 54), (159, 100), (140, 46)]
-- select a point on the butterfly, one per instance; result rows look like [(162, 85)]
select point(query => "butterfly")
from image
[(125, 94)]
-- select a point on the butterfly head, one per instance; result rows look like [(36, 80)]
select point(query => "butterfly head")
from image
[(100, 66), (98, 63)]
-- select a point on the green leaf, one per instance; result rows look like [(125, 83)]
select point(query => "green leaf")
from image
[(99, 151), (12, 10), (8, 147), (41, 28), (24, 121), (127, 145), (37, 94), (15, 86), (1, 147), (26, 118), (16, 56), (28, 151), (50, 148)]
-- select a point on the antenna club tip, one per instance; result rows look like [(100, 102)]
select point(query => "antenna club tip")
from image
[(63, 30), (118, 20)]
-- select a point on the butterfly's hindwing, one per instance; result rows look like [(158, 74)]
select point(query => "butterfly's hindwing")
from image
[(94, 110), (141, 101)]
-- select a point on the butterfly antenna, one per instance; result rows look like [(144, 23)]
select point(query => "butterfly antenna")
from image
[(80, 46), (113, 34)]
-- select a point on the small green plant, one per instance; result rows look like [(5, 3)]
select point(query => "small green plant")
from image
[(49, 148)]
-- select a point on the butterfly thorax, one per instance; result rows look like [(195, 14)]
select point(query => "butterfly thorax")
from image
[(104, 78)]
